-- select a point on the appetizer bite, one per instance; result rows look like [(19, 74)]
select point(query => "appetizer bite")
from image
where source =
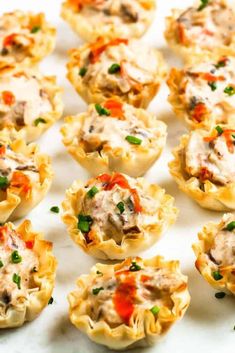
[(109, 18), (114, 216), (114, 136), (119, 68), (29, 102), (203, 94), (27, 274), (205, 29), (130, 304), (204, 167), (25, 38), (25, 177), (215, 254)]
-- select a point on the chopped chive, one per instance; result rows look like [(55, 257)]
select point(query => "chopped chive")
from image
[(99, 273), (55, 209), (16, 279), (220, 295), (121, 206), (83, 71), (3, 182), (216, 275), (133, 140), (92, 192), (204, 3), (114, 68), (233, 136), (212, 85), (15, 257), (230, 227), (221, 63), (155, 310), (51, 300), (101, 110), (34, 269), (96, 291), (35, 29), (84, 223), (39, 121), (134, 267), (229, 90), (219, 130), (1, 263)]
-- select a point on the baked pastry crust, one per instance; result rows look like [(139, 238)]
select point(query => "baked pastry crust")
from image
[(32, 131), (40, 37), (101, 241), (144, 328), (139, 95), (212, 195), (91, 28), (207, 108), (205, 264), (27, 309), (130, 159), (15, 201), (188, 49)]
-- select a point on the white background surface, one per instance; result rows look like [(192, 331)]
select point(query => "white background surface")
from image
[(208, 323)]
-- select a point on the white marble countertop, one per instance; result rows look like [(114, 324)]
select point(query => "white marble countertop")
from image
[(208, 323)]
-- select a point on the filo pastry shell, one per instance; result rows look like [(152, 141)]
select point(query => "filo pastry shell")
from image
[(29, 102), (109, 306), (202, 94), (109, 19), (202, 31), (25, 177), (25, 38), (203, 167), (27, 274), (119, 68), (215, 254), (98, 140), (114, 216)]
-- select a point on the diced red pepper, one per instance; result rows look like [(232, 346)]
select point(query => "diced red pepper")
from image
[(29, 244), (2, 151), (8, 97), (9, 40), (20, 181), (199, 112), (115, 108), (100, 46), (205, 174)]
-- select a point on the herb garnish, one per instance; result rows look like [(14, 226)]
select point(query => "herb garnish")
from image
[(39, 121), (3, 182), (1, 263), (220, 295), (15, 257), (99, 273), (92, 192), (219, 129), (229, 90), (35, 29), (155, 310), (121, 206), (51, 300), (17, 280), (133, 140), (84, 223), (134, 267), (204, 3), (55, 209), (101, 110), (83, 71), (217, 276), (114, 68), (96, 291), (230, 227), (212, 85)]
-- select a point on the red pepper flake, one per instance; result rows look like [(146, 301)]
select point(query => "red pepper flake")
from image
[(145, 278), (199, 112), (115, 108), (29, 244), (212, 78), (8, 97), (100, 46), (3, 232), (2, 150), (21, 181), (9, 40), (124, 298)]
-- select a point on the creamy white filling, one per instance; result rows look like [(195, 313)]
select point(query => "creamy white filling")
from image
[(29, 103), (215, 157), (9, 291), (223, 250)]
